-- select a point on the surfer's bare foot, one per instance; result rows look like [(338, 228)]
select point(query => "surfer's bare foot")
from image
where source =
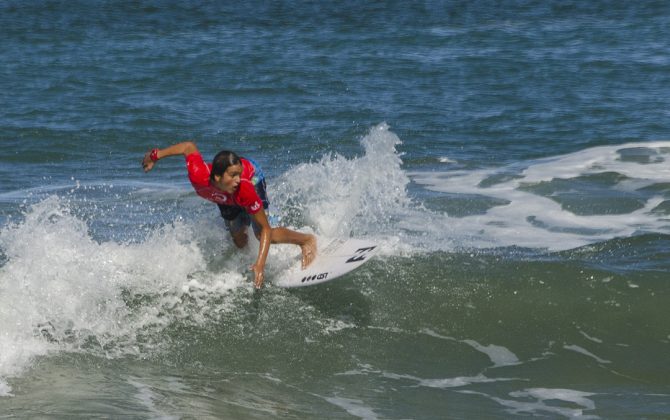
[(308, 251)]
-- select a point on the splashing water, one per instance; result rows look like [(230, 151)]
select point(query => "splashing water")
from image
[(63, 291), (556, 203), (340, 197)]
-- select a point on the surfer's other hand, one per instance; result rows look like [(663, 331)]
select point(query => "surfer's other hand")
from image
[(147, 163)]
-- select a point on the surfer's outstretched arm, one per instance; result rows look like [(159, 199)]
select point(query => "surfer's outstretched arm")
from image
[(184, 148)]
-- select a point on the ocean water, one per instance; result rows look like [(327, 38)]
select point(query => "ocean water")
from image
[(510, 158)]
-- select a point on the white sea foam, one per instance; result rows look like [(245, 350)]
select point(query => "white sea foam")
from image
[(588, 337), (336, 325), (60, 290), (5, 389), (532, 220), (445, 383), (538, 401), (442, 383), (354, 407), (148, 398), (369, 196), (459, 381), (585, 352), (499, 355)]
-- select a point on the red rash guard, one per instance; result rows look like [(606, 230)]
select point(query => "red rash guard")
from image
[(245, 196)]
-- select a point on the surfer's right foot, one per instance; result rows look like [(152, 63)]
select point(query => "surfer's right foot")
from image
[(308, 251)]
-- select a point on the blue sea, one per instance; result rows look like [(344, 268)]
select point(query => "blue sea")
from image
[(510, 158)]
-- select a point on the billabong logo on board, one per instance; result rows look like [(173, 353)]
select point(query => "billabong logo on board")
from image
[(361, 254)]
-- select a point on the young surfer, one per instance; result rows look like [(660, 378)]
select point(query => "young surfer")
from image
[(237, 186)]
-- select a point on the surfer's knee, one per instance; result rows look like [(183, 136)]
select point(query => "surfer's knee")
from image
[(240, 239)]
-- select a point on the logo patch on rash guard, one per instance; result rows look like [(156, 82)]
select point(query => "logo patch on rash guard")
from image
[(219, 198), (256, 206)]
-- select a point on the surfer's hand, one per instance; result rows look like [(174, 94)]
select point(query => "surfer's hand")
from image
[(259, 276), (147, 163)]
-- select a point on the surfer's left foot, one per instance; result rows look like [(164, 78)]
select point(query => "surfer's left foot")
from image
[(308, 251)]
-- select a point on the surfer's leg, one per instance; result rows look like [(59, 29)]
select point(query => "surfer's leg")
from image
[(237, 222), (307, 242), (240, 238), (238, 231)]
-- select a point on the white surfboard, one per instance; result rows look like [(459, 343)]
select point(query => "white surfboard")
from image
[(334, 258)]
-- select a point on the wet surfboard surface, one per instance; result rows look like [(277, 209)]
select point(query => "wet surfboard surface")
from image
[(335, 258)]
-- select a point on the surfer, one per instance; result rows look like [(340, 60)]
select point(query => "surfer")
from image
[(237, 186)]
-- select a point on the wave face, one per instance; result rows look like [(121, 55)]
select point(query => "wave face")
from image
[(490, 280)]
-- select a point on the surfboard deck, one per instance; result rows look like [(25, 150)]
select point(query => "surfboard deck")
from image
[(335, 258)]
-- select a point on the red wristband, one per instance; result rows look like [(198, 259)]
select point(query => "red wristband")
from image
[(153, 155)]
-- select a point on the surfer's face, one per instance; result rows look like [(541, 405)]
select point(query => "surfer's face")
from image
[(230, 180)]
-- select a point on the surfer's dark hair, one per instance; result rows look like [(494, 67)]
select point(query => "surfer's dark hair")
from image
[(222, 161)]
